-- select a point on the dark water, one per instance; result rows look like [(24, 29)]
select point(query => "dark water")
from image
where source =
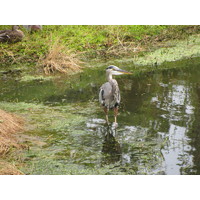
[(159, 123)]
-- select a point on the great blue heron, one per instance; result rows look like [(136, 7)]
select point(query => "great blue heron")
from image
[(109, 95)]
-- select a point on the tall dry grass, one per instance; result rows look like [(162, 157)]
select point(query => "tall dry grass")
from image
[(9, 169), (9, 125), (59, 60)]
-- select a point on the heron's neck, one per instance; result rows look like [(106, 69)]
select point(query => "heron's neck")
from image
[(109, 77)]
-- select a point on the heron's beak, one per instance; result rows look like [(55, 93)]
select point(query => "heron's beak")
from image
[(120, 71)]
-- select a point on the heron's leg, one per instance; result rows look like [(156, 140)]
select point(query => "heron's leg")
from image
[(115, 114), (106, 112)]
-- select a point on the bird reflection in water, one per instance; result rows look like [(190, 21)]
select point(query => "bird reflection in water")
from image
[(111, 147)]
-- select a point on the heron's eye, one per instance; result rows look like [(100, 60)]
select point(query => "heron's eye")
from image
[(110, 67)]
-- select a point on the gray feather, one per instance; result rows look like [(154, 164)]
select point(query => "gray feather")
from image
[(109, 95)]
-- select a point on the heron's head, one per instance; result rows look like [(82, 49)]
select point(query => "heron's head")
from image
[(113, 70)]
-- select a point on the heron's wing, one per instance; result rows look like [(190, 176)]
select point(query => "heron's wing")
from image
[(109, 94), (105, 94), (116, 92)]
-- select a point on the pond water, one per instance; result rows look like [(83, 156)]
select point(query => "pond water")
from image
[(158, 131)]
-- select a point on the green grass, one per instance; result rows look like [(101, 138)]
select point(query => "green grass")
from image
[(88, 40)]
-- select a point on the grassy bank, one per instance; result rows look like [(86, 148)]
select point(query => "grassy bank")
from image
[(63, 48)]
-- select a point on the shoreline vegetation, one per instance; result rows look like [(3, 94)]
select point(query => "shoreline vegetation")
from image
[(66, 49), (69, 48)]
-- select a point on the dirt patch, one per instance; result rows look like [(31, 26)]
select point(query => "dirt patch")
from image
[(9, 125)]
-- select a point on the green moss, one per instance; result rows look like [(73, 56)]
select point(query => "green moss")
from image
[(50, 118), (51, 166), (34, 78), (180, 49)]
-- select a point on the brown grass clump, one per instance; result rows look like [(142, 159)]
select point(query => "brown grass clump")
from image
[(8, 169), (9, 124), (60, 60)]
